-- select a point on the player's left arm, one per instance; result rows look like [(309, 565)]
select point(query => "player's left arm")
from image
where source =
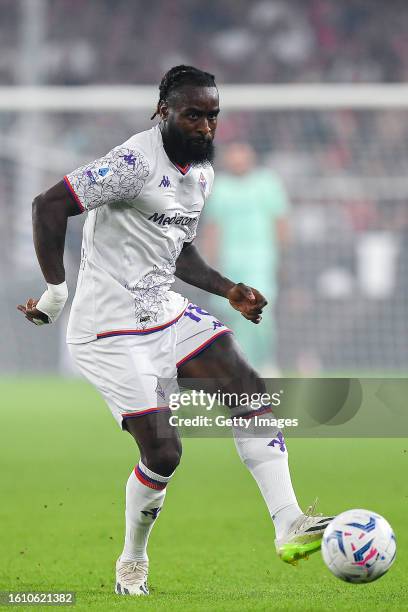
[(192, 269)]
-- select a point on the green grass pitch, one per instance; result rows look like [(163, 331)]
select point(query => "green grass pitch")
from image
[(64, 467)]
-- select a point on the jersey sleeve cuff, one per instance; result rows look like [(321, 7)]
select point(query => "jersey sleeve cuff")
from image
[(72, 193)]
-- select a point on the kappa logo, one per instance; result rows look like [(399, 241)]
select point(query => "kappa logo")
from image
[(130, 159), (165, 182)]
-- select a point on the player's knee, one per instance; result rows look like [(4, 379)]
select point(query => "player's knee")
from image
[(163, 457), (246, 381), (232, 365), (248, 373)]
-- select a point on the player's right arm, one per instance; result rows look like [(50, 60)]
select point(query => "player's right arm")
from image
[(51, 210), (118, 176)]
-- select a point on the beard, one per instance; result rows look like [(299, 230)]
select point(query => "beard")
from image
[(186, 150)]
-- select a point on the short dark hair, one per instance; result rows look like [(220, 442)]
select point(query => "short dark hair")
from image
[(179, 76)]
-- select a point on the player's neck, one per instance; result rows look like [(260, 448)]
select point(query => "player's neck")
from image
[(174, 155)]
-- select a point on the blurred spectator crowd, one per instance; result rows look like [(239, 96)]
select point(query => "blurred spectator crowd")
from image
[(278, 41), (343, 289)]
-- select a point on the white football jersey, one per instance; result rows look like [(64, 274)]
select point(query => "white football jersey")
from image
[(141, 208)]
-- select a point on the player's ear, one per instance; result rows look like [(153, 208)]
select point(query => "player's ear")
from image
[(163, 110)]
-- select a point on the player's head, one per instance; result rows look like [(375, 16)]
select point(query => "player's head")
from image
[(239, 158), (188, 108)]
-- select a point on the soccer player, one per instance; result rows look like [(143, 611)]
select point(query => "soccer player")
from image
[(128, 331), (248, 200)]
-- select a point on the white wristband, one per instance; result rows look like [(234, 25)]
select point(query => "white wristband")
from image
[(52, 301)]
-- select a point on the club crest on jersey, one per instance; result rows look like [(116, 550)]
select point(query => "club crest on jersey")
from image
[(165, 182), (203, 183)]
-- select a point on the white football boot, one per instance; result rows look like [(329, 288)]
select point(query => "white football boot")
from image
[(304, 536), (131, 577)]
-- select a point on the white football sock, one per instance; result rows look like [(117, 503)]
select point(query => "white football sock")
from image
[(145, 493), (267, 460)]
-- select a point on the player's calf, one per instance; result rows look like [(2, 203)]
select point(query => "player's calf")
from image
[(160, 451)]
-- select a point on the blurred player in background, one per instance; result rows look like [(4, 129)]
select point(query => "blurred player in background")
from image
[(246, 225), (131, 336)]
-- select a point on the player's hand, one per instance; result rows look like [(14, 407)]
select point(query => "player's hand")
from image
[(31, 313), (248, 301)]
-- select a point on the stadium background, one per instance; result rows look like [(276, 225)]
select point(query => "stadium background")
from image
[(343, 287), (342, 299)]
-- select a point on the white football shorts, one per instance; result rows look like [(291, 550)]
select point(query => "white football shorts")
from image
[(136, 374)]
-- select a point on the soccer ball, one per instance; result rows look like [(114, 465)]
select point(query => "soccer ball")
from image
[(358, 546)]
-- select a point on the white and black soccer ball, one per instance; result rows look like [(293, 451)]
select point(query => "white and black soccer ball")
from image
[(359, 546)]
